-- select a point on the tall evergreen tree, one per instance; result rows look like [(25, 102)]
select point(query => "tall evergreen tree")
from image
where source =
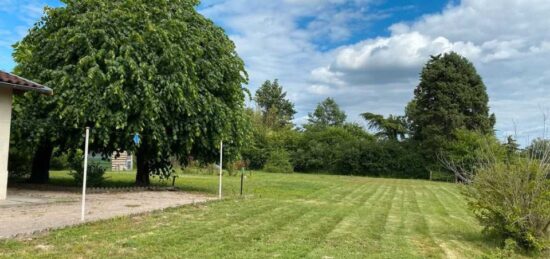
[(277, 110), (327, 113), (450, 96)]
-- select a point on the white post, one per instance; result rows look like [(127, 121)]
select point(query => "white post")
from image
[(83, 211), (221, 170)]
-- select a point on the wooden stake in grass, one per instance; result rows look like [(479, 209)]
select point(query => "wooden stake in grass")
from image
[(242, 180)]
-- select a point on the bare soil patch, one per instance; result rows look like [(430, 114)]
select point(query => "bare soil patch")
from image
[(29, 211)]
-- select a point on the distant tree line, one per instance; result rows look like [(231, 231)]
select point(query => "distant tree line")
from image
[(450, 101)]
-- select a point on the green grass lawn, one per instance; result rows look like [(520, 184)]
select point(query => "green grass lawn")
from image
[(287, 216)]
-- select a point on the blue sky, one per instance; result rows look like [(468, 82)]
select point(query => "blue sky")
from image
[(367, 54)]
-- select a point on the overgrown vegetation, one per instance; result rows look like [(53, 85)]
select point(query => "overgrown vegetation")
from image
[(95, 173), (510, 193), (278, 162)]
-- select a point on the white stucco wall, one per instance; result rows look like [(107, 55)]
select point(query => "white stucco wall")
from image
[(5, 121)]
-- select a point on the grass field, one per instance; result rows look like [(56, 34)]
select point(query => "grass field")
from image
[(287, 216)]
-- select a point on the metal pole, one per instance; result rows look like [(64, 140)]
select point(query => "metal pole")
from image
[(221, 172), (85, 174)]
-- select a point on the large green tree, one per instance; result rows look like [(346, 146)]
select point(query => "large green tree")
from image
[(154, 68), (451, 95), (277, 110), (327, 113)]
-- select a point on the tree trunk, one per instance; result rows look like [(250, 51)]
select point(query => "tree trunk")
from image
[(142, 174), (40, 171)]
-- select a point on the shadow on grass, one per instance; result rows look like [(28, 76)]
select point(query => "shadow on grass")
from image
[(62, 181)]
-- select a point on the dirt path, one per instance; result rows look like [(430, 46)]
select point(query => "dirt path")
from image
[(27, 211)]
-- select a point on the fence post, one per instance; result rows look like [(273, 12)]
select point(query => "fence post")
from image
[(242, 181)]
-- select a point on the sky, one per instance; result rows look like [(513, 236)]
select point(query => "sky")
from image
[(367, 54)]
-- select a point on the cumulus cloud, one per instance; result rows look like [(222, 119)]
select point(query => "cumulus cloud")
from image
[(279, 39), (508, 41), (385, 60)]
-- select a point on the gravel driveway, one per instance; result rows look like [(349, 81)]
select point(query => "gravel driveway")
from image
[(27, 211)]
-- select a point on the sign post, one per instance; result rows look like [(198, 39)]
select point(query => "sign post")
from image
[(83, 211), (221, 170)]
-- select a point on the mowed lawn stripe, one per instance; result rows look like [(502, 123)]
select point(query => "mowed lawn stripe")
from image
[(456, 229), (314, 233), (293, 239), (285, 216), (394, 241), (358, 233), (418, 230), (243, 233)]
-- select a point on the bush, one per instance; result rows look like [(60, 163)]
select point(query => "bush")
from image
[(278, 162), (95, 172), (19, 163), (459, 157), (512, 200), (95, 175), (60, 162)]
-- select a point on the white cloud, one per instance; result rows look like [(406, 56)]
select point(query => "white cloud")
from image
[(391, 59), (507, 40), (277, 40)]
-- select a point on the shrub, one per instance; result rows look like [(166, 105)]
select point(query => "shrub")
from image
[(460, 157), (278, 162), (95, 175), (96, 172), (512, 200), (19, 164), (60, 162)]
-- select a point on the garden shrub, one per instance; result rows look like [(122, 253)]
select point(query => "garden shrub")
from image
[(95, 175), (60, 162), (96, 172), (19, 163), (278, 162), (512, 200)]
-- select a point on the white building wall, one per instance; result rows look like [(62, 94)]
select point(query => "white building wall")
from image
[(5, 121)]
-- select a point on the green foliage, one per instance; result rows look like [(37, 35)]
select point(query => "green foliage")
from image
[(95, 173), (277, 111), (264, 140), (157, 68), (512, 200), (319, 148), (467, 149), (537, 148), (450, 96), (278, 162), (60, 162), (19, 164), (382, 158), (327, 113), (393, 127), (350, 150)]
